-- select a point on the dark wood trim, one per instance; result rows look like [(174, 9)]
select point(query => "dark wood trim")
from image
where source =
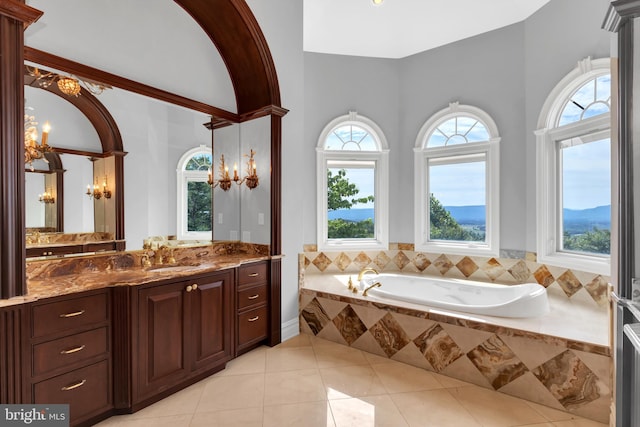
[(276, 172), (119, 197), (84, 71), (55, 166), (12, 230), (275, 303), (18, 11), (14, 357), (122, 316)]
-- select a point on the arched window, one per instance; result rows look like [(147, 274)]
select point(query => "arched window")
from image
[(457, 183), (194, 214), (573, 171), (352, 172)]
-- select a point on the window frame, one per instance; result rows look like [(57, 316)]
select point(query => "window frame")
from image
[(548, 173), (183, 179), (423, 155), (381, 185)]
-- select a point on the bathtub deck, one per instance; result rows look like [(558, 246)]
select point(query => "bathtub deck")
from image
[(574, 320)]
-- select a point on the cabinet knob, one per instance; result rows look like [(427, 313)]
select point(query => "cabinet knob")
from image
[(189, 288), (195, 286)]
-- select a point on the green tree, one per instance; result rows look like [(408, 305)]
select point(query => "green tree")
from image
[(341, 194), (597, 241), (198, 206), (445, 227)]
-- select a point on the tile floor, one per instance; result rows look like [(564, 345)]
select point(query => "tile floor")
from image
[(309, 382)]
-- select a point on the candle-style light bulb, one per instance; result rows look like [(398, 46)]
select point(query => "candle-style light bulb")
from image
[(235, 171), (45, 133)]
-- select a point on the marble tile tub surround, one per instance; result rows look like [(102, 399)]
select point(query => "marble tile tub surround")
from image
[(519, 359), (562, 374), (587, 288)]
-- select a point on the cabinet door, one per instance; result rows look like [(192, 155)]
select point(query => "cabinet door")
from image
[(211, 320), (162, 329)]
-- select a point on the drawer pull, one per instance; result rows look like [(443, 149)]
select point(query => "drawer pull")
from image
[(253, 296), (73, 386), (254, 274), (253, 319), (73, 350), (74, 314)]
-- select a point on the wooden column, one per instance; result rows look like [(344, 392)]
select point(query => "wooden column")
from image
[(14, 17)]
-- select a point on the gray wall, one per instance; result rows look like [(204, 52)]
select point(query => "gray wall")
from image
[(507, 72)]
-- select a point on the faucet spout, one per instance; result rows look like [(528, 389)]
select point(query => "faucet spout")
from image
[(366, 270), (375, 285)]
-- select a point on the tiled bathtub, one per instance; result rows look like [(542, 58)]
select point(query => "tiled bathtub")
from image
[(562, 360)]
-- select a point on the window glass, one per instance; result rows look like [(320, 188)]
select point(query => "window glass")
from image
[(586, 194), (458, 130), (199, 162), (457, 199), (350, 137), (351, 200), (198, 206)]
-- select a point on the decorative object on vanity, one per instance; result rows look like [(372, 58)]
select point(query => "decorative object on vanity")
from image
[(46, 197), (32, 149), (96, 193), (70, 86), (251, 178)]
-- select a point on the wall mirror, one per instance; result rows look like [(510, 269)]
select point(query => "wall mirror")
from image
[(155, 134)]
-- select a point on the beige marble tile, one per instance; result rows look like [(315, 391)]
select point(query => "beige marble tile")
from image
[(369, 346), (338, 355), (351, 381), (433, 408), (293, 387), (579, 423), (232, 392), (398, 377), (411, 355), (180, 403), (299, 340), (253, 362), (167, 421), (290, 358), (371, 411), (496, 409), (247, 417), (310, 414)]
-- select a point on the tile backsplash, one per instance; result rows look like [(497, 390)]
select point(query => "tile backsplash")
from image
[(577, 285)]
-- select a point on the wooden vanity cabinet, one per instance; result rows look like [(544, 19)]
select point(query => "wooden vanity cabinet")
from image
[(252, 302), (70, 351), (181, 331)]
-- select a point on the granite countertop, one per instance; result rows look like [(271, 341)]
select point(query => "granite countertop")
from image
[(51, 278)]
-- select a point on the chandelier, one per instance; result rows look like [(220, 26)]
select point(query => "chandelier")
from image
[(69, 85), (46, 197), (251, 179), (32, 149)]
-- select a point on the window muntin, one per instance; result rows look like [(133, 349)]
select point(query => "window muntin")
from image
[(457, 173), (194, 195), (573, 171), (352, 174), (591, 99), (350, 137)]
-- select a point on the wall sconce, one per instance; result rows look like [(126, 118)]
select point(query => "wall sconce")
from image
[(32, 149), (224, 182), (97, 193), (46, 197)]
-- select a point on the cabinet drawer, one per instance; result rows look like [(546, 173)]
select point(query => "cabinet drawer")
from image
[(66, 351), (254, 295), (86, 390), (253, 325), (252, 273), (69, 314)]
